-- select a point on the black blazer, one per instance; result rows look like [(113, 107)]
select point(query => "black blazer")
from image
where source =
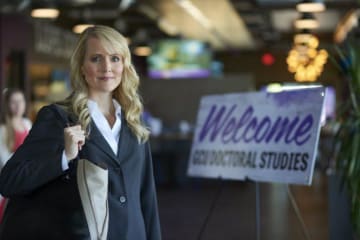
[(44, 200)]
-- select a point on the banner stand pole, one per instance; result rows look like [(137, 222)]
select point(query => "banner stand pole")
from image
[(212, 207), (297, 212), (257, 203)]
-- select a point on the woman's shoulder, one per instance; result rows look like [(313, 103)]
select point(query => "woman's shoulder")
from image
[(60, 111), (27, 123), (51, 112), (54, 108)]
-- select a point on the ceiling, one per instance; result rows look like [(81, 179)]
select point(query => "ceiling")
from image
[(224, 24)]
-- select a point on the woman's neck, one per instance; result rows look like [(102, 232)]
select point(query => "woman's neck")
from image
[(16, 119), (17, 123), (106, 106), (104, 103)]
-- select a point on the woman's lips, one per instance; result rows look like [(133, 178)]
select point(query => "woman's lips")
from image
[(106, 78)]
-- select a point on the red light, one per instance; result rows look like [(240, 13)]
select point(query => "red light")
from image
[(267, 59)]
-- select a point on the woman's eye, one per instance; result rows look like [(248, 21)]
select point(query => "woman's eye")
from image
[(115, 59), (95, 59)]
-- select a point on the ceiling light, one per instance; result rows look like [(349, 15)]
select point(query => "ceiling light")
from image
[(162, 22), (79, 28), (142, 51), (195, 12), (313, 42), (309, 64), (45, 13), (167, 27), (310, 6), (306, 21), (302, 37)]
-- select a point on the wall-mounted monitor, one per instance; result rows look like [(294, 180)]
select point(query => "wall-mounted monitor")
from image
[(179, 58)]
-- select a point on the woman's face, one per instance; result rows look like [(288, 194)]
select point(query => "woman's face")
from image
[(102, 70), (17, 104)]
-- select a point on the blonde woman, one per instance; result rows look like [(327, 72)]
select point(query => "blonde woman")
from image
[(99, 121)]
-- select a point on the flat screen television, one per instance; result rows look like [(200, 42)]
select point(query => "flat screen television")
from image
[(179, 58)]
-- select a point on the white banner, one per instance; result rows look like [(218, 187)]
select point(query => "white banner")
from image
[(269, 137)]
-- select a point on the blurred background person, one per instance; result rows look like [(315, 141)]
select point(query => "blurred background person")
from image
[(14, 128)]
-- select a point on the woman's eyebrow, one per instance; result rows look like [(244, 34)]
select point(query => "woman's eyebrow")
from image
[(96, 54), (100, 54)]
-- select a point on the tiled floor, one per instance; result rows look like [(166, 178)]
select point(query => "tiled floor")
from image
[(183, 210)]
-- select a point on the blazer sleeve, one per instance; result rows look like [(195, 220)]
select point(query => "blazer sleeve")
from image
[(149, 200), (38, 160)]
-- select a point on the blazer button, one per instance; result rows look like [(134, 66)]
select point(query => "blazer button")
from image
[(122, 199)]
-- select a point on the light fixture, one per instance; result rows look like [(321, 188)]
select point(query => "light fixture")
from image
[(310, 6), (45, 13), (167, 27), (313, 42), (306, 61), (79, 28), (302, 37), (142, 51), (162, 22), (307, 21), (195, 12)]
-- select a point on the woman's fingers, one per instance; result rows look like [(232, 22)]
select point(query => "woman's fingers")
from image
[(81, 140), (74, 138)]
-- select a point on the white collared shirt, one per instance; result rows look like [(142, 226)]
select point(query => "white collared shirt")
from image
[(111, 134)]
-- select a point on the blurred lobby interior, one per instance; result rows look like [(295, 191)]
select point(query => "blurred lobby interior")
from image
[(229, 46)]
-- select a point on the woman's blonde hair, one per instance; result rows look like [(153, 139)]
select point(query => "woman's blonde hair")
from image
[(126, 93)]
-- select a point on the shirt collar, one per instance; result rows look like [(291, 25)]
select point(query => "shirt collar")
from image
[(93, 107), (117, 108)]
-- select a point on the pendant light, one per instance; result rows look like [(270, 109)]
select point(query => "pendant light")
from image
[(44, 10), (79, 28), (310, 6), (306, 21)]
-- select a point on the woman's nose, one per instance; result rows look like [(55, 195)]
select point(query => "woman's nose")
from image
[(107, 65)]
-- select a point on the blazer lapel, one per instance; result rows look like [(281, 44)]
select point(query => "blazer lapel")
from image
[(98, 139), (124, 140)]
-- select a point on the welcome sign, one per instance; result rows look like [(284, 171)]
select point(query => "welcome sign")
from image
[(262, 136)]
